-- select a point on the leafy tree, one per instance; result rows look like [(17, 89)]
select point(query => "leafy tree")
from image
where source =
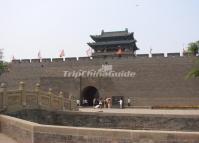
[(193, 47), (3, 67)]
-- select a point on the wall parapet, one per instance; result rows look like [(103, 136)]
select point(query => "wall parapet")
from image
[(72, 59), (46, 60), (35, 60), (25, 60), (173, 54), (142, 55), (57, 59), (79, 59), (36, 133), (158, 55), (84, 59)]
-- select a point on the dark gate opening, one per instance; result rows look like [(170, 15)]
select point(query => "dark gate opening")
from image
[(88, 94)]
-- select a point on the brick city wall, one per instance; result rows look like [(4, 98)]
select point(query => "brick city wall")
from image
[(111, 120), (29, 132), (159, 80)]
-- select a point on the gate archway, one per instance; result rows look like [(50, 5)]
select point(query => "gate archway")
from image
[(89, 93)]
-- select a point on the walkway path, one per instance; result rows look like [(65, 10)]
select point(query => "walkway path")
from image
[(143, 111), (6, 139)]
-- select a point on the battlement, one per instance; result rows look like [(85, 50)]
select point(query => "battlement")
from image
[(174, 55), (57, 60), (79, 59), (142, 55), (158, 55)]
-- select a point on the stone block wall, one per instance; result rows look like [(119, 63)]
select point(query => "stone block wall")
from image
[(114, 121), (19, 130), (28, 132), (159, 80), (51, 134)]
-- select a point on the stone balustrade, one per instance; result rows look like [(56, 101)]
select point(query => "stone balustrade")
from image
[(14, 100)]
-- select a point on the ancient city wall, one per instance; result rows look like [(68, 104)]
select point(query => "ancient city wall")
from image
[(168, 122), (29, 132), (19, 130), (159, 80)]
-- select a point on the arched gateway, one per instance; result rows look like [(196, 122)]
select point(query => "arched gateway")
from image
[(88, 94)]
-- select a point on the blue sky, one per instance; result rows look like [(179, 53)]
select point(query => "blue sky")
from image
[(30, 26)]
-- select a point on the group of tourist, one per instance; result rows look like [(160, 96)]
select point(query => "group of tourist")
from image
[(103, 103)]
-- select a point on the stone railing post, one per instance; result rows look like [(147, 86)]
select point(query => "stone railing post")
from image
[(73, 104), (71, 98), (37, 91), (70, 102), (50, 97), (62, 100), (23, 94), (5, 96)]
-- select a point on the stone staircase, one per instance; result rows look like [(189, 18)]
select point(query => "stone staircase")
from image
[(16, 100)]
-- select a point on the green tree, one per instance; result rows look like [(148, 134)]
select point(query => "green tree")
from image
[(193, 47), (3, 67)]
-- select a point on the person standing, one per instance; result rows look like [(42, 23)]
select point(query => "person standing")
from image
[(78, 102), (121, 103), (129, 102), (94, 102), (108, 101), (105, 103), (100, 103)]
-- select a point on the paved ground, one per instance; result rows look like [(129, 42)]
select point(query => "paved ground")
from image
[(143, 111), (6, 139)]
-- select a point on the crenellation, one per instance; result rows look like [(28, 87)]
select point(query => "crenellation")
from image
[(84, 59), (25, 61), (158, 55), (46, 60), (142, 55), (57, 59), (35, 60), (71, 59), (16, 61), (96, 58), (173, 54)]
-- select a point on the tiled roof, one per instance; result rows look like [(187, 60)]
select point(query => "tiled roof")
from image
[(112, 34)]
